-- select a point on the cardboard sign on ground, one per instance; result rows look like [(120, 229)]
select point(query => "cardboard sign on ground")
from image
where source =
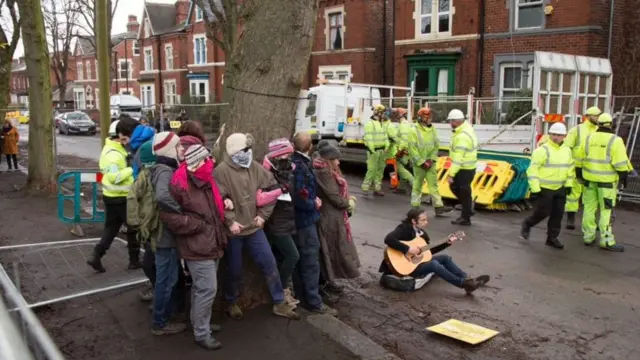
[(463, 331)]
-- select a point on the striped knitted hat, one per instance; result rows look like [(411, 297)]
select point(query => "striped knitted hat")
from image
[(279, 147), (165, 143), (195, 154)]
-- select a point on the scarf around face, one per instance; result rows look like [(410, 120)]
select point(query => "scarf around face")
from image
[(343, 192), (204, 174), (243, 158)]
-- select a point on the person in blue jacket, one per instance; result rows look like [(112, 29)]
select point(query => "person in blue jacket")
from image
[(141, 134)]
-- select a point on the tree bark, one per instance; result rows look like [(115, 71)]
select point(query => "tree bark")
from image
[(265, 71), (42, 170)]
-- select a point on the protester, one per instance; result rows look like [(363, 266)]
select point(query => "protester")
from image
[(239, 178), (201, 235), (281, 226), (339, 256), (306, 276), (10, 138), (192, 128), (141, 133), (442, 265)]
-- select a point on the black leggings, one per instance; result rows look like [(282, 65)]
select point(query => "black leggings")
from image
[(15, 160)]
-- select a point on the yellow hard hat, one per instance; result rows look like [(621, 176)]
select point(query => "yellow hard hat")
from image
[(379, 108), (605, 119), (593, 111)]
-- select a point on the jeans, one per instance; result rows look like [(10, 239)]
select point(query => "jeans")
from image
[(167, 269), (203, 292), (444, 267), (262, 255), (149, 263), (306, 276), (286, 248), (115, 217)]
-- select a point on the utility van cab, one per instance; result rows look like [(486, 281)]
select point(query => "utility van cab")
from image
[(125, 104)]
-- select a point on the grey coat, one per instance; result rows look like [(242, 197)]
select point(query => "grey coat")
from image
[(161, 175)]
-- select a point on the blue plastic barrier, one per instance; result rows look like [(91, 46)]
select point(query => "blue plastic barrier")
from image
[(79, 177)]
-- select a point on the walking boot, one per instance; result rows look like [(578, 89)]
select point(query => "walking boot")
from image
[(461, 221), (571, 221), (378, 193), (443, 210), (235, 312), (169, 329), (471, 285), (554, 243), (325, 309), (614, 248), (95, 261), (209, 343), (525, 231), (284, 310)]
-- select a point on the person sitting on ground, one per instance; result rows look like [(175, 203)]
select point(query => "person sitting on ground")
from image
[(414, 225)]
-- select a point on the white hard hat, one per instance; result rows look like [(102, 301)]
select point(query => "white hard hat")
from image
[(112, 128), (558, 129), (456, 114)]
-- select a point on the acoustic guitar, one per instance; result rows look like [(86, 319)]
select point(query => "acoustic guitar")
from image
[(405, 264)]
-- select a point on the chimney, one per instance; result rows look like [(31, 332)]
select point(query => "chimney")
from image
[(133, 25), (182, 11)]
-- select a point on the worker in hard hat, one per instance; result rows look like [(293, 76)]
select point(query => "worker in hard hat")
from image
[(377, 142), (463, 152), (398, 133), (605, 167), (423, 150), (575, 141), (551, 177)]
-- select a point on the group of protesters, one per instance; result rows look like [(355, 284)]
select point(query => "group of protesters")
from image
[(191, 207)]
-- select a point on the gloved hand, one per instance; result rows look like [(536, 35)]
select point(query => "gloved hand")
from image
[(535, 196), (427, 164), (352, 205), (568, 190)]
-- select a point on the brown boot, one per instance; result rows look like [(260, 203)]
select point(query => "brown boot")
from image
[(235, 312), (378, 193), (283, 309), (470, 285)]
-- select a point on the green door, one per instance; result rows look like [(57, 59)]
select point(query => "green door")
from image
[(433, 74)]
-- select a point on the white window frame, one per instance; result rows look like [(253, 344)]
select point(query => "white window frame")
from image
[(518, 6), (199, 14), (97, 70), (147, 88), (195, 49), (129, 69), (97, 97), (80, 70), (135, 48), (197, 82), (170, 97), (435, 16), (87, 64), (79, 105), (327, 25), (88, 97), (335, 71), (504, 66), (168, 56), (148, 65)]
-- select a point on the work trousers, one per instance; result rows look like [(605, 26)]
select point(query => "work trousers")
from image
[(550, 203), (444, 267), (287, 255), (431, 176), (376, 163), (306, 276), (203, 293), (261, 253), (573, 199), (115, 217), (598, 196), (402, 167), (461, 188)]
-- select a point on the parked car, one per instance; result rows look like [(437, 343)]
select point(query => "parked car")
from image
[(76, 122)]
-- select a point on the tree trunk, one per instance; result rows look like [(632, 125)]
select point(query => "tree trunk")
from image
[(264, 74), (42, 170)]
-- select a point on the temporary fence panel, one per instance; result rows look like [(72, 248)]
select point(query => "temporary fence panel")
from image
[(628, 128), (92, 178)]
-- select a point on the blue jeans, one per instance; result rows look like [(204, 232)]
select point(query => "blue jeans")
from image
[(261, 253), (444, 267), (306, 276), (167, 267)]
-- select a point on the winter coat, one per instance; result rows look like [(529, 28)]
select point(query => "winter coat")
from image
[(141, 134), (199, 230), (339, 254), (282, 220), (241, 186), (161, 174), (304, 191), (10, 141)]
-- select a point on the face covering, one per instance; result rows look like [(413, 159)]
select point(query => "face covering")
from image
[(243, 158), (6, 128)]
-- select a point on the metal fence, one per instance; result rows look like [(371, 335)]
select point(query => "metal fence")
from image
[(492, 111), (208, 115)]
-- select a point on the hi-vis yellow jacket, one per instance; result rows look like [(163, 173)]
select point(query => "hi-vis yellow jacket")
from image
[(423, 144), (375, 136), (117, 175), (576, 138), (604, 156), (551, 167), (463, 149)]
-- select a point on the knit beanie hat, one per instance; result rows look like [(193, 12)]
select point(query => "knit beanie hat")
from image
[(279, 147), (145, 152), (188, 140), (328, 151), (165, 143), (236, 143), (195, 154)]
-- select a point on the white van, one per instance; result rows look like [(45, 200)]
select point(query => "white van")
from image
[(125, 104)]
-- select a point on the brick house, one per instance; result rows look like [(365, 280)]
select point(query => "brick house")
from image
[(19, 83), (124, 72)]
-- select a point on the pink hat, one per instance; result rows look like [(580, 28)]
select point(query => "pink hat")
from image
[(279, 147)]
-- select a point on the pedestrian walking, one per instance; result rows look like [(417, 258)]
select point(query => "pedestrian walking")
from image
[(463, 152), (377, 142), (10, 139), (551, 176)]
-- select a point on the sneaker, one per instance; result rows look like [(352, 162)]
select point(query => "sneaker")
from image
[(525, 231), (209, 343), (284, 310), (554, 243), (614, 248), (169, 329), (146, 295), (289, 299), (235, 312), (324, 309)]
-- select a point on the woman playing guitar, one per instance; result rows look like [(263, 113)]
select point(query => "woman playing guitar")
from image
[(411, 230)]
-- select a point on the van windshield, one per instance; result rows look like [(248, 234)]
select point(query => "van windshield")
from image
[(311, 105)]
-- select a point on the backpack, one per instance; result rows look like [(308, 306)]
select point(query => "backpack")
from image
[(142, 209), (404, 283)]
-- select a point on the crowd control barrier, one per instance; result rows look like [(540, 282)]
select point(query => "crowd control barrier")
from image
[(74, 193)]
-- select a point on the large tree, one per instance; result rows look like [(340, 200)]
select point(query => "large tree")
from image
[(61, 18), (9, 37), (42, 169), (267, 46)]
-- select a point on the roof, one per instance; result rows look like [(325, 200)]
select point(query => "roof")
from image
[(86, 47), (162, 18), (68, 96)]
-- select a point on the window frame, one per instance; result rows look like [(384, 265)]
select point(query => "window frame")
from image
[(168, 56), (95, 62), (135, 48), (203, 39), (435, 20), (199, 15), (129, 75), (96, 94), (76, 101), (147, 66), (80, 70), (170, 99), (518, 5), (335, 71), (147, 88), (338, 27), (328, 12), (197, 82), (87, 64)]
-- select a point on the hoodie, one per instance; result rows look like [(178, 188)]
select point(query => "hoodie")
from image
[(141, 134)]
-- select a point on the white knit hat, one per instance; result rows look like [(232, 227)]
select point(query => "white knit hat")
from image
[(236, 143), (165, 143), (195, 154)]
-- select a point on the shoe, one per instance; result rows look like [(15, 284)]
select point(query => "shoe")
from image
[(215, 328), (284, 310), (134, 265), (146, 295), (378, 193), (614, 248), (470, 285), (399, 191), (554, 243), (571, 221), (96, 263), (235, 312), (169, 329), (209, 343), (461, 221), (289, 299), (525, 231), (333, 288), (324, 309), (586, 243)]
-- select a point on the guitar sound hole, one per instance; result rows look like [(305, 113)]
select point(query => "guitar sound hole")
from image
[(416, 259)]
